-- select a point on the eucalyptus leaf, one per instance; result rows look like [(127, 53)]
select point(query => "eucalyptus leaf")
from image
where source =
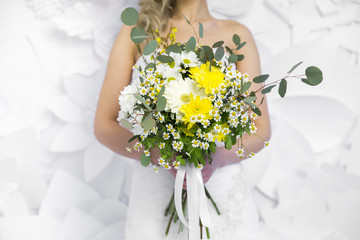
[(282, 87), (240, 45), (129, 16), (145, 160), (138, 34), (173, 48), (143, 101), (187, 20), (126, 124), (219, 54), (233, 58), (190, 45), (228, 49), (246, 86), (267, 89), (150, 47), (314, 76), (257, 111), (218, 44), (206, 53), (150, 65), (261, 78), (240, 57), (165, 59), (294, 67), (162, 90), (236, 39), (201, 30), (148, 123), (249, 101), (161, 104)]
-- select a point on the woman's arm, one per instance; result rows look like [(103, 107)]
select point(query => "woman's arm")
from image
[(118, 75), (250, 65)]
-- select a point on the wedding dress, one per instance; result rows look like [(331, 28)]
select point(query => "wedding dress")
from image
[(151, 193)]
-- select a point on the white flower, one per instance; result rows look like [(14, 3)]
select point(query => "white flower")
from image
[(177, 93), (176, 164), (161, 145), (240, 153), (167, 166), (252, 128), (195, 143), (161, 161), (147, 153), (266, 143), (251, 154), (189, 59), (127, 100)]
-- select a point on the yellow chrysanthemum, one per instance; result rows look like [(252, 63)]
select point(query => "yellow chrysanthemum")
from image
[(206, 79), (195, 107)]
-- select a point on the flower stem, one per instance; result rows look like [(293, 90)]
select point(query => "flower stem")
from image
[(212, 200), (169, 205)]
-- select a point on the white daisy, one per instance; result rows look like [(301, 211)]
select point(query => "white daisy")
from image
[(177, 93)]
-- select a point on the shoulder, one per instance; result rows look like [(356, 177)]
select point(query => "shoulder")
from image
[(123, 43), (232, 27)]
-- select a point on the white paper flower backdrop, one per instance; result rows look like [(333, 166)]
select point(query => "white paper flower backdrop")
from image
[(58, 182)]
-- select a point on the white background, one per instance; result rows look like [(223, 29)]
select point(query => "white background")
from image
[(58, 182)]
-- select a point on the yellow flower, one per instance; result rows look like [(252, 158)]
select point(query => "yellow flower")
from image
[(209, 80), (195, 107)]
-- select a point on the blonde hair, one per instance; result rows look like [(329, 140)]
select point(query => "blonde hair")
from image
[(155, 13)]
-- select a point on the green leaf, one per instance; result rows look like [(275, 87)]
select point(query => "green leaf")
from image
[(126, 124), (150, 47), (219, 54), (236, 39), (262, 100), (228, 142), (190, 45), (240, 57), (161, 104), (201, 30), (314, 76), (246, 86), (145, 160), (143, 101), (133, 138), (257, 111), (261, 78), (218, 44), (294, 67), (162, 90), (267, 89), (249, 100), (165, 59), (228, 49), (148, 123), (129, 16), (240, 45), (150, 65), (233, 58), (173, 48), (282, 87), (206, 53), (138, 34), (212, 147), (187, 20)]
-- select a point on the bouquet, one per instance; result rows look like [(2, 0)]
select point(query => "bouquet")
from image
[(187, 98)]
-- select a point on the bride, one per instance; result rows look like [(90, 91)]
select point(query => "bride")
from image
[(224, 178)]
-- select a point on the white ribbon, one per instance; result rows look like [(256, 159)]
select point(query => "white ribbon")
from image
[(197, 202)]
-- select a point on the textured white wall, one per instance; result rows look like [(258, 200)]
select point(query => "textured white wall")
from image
[(58, 182)]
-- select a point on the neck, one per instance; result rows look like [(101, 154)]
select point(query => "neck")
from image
[(194, 10)]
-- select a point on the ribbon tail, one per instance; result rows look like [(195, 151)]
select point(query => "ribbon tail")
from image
[(203, 206), (193, 203), (179, 180)]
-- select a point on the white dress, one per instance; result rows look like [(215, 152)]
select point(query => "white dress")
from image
[(151, 193)]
